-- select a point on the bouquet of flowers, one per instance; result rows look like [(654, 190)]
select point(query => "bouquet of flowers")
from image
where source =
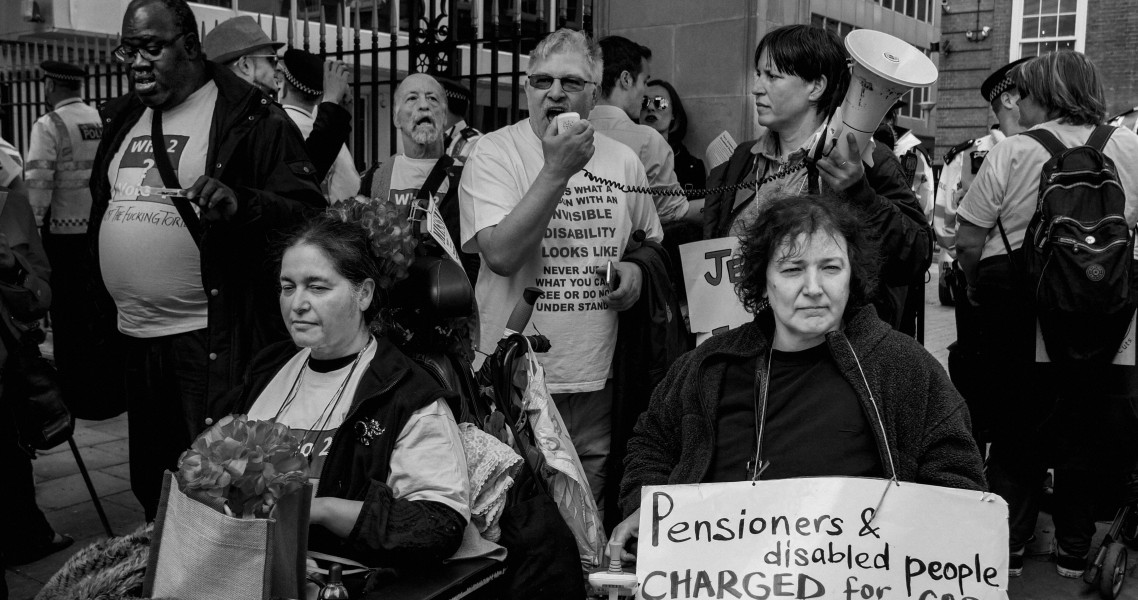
[(242, 468)]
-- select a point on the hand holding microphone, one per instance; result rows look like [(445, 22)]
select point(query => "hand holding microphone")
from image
[(568, 143)]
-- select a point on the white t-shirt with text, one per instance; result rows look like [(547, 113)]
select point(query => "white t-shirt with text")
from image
[(150, 264), (592, 226)]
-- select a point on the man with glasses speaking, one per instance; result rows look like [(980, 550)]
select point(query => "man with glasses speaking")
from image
[(195, 177), (530, 210)]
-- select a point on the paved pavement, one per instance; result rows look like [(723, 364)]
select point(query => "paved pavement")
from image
[(64, 498)]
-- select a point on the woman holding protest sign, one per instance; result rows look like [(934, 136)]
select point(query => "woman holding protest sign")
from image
[(816, 385)]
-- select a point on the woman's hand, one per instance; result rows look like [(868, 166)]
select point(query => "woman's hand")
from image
[(628, 529), (843, 167)]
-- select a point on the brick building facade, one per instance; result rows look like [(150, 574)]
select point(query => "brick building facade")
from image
[(1016, 28)]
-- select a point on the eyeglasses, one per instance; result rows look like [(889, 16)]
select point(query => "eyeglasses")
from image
[(273, 58), (569, 84), (126, 53), (655, 103)]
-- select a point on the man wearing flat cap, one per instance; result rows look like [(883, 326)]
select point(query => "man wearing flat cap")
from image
[(58, 168), (459, 136), (198, 176), (240, 44), (302, 78)]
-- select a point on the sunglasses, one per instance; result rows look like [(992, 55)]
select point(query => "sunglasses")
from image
[(272, 58), (126, 53), (569, 84), (655, 103)]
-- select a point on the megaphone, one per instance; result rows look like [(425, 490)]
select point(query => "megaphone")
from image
[(884, 68)]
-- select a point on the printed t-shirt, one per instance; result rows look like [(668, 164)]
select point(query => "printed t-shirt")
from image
[(150, 264), (590, 227), (427, 462), (408, 175), (1007, 185)]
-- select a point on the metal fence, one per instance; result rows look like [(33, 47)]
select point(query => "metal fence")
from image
[(479, 42)]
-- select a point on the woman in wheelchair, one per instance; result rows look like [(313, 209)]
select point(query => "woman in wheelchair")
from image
[(815, 385), (385, 454)]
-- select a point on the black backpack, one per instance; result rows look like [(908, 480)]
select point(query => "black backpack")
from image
[(1077, 252)]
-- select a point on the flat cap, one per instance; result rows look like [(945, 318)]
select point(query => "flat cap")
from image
[(53, 69), (999, 82), (235, 38), (304, 71)]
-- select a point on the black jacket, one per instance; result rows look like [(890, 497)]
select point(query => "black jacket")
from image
[(255, 149), (651, 336), (925, 421), (330, 132), (389, 532)]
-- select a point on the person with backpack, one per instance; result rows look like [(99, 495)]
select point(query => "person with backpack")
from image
[(1045, 240)]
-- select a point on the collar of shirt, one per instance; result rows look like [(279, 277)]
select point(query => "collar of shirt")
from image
[(997, 136), (65, 102), (767, 146), (608, 112), (311, 114)]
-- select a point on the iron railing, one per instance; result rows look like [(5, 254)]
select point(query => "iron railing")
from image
[(481, 42)]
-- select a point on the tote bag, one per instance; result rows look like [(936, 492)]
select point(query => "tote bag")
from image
[(199, 553)]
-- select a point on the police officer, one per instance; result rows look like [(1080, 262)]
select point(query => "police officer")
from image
[(58, 169), (303, 91), (961, 162), (460, 137)]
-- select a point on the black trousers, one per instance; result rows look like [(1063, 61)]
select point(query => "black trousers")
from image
[(165, 383), (25, 523)]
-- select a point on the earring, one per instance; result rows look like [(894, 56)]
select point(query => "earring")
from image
[(763, 305)]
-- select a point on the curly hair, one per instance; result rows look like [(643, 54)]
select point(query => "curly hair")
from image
[(783, 220)]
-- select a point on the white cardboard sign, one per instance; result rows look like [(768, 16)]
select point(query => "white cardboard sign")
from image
[(822, 537), (438, 230), (711, 268)]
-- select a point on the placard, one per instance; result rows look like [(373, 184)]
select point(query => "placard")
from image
[(711, 269), (439, 232), (842, 538)]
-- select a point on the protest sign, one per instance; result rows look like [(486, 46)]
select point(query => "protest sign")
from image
[(822, 537), (711, 268)]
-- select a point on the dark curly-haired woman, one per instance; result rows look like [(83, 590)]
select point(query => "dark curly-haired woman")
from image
[(815, 385)]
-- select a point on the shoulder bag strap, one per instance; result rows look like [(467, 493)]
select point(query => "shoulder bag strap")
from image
[(170, 180)]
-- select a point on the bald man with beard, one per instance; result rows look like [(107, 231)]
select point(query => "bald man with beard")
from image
[(421, 116)]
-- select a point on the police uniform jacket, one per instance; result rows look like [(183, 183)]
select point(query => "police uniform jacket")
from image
[(950, 191), (58, 169)]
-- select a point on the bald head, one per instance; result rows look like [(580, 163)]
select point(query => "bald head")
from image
[(420, 114)]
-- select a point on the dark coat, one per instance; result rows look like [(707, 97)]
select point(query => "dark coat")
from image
[(389, 531), (330, 132), (256, 150), (925, 419)]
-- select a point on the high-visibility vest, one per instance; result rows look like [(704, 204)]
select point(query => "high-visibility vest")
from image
[(58, 168)]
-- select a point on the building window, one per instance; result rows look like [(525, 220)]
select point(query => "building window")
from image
[(840, 28), (911, 103), (1042, 26), (921, 10)]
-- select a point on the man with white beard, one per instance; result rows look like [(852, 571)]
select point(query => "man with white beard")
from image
[(423, 168)]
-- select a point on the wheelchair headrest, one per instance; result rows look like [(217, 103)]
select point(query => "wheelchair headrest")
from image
[(437, 284)]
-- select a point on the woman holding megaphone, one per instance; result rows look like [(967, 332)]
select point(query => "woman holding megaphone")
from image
[(801, 78)]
